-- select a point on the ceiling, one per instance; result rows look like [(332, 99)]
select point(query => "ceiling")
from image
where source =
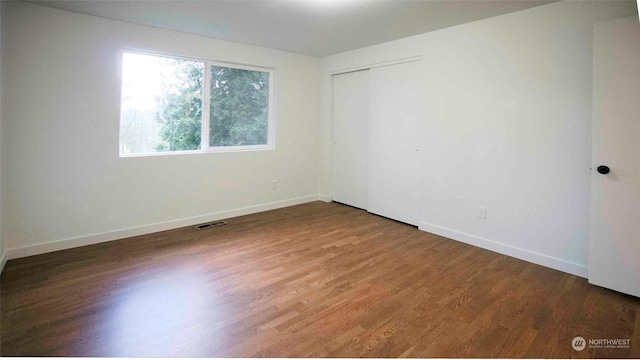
[(312, 27)]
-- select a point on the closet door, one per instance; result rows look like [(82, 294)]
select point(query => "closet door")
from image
[(350, 138), (394, 140)]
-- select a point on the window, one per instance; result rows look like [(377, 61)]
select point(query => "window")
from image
[(166, 107)]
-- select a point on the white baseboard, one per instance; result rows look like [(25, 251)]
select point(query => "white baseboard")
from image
[(3, 260), (325, 198), (501, 248), (30, 250)]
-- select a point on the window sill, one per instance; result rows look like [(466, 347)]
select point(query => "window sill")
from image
[(211, 150)]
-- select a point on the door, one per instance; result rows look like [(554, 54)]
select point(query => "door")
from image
[(614, 254), (394, 137), (351, 138)]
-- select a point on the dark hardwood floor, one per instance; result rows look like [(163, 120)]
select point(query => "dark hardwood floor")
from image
[(315, 280)]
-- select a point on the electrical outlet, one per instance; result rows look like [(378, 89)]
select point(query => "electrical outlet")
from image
[(274, 185), (482, 212)]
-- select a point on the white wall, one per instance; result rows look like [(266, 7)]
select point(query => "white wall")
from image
[(62, 177), (508, 115)]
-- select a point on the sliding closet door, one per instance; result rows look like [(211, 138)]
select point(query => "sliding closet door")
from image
[(350, 138), (394, 140)]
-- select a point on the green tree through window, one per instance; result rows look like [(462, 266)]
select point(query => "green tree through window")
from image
[(180, 103), (239, 107)]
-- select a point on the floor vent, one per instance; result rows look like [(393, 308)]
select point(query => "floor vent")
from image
[(210, 225)]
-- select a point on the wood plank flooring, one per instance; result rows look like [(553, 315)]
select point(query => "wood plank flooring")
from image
[(314, 280)]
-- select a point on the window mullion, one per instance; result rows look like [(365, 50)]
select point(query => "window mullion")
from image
[(206, 91)]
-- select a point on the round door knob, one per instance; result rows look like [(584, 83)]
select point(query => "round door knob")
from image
[(602, 169)]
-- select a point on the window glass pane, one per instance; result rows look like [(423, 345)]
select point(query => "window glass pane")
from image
[(239, 109), (161, 105)]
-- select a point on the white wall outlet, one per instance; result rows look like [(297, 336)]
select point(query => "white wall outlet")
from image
[(274, 185), (482, 212)]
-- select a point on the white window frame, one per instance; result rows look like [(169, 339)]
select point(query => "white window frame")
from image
[(205, 131)]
